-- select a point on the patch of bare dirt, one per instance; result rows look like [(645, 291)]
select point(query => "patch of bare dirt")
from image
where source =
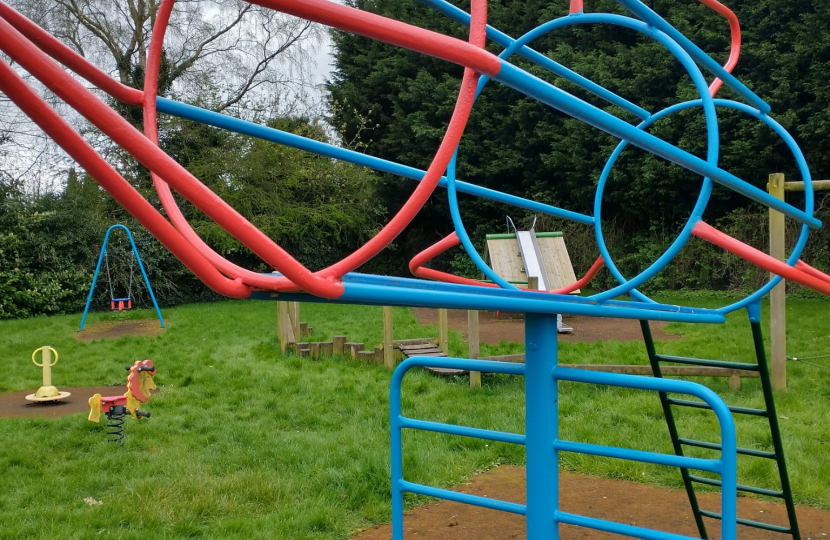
[(642, 505), (117, 329), (14, 404), (510, 327)]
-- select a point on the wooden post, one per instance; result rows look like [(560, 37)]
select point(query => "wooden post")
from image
[(443, 331), (294, 314), (473, 344), (778, 318), (388, 336), (282, 324), (338, 346)]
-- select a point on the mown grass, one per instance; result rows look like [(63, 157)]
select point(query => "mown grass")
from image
[(247, 443)]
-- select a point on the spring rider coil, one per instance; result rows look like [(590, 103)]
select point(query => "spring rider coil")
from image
[(139, 386), (47, 392)]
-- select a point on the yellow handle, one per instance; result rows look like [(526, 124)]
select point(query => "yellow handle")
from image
[(41, 350)]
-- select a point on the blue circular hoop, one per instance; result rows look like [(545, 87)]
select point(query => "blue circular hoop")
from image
[(711, 124)]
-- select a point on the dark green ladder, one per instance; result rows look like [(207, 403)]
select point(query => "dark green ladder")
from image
[(678, 442)]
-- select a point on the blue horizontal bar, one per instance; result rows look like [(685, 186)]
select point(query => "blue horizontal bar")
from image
[(464, 431), (477, 299), (670, 460), (489, 366), (461, 16), (182, 110), (475, 500), (557, 98), (617, 528), (642, 383), (371, 279)]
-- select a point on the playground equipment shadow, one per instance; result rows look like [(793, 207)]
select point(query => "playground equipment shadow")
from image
[(117, 329), (615, 500)]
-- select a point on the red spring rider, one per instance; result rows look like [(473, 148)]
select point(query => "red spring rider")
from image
[(139, 385)]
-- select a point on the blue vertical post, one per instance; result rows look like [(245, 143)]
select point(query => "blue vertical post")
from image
[(541, 427), (396, 453)]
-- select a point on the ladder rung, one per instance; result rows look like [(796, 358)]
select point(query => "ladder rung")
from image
[(701, 405), (750, 523), (741, 487), (704, 362), (715, 446)]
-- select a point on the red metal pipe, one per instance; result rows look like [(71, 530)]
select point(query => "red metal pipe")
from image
[(149, 155), (68, 57), (56, 127), (589, 275), (390, 231), (735, 32), (449, 242), (757, 257), (470, 55), (815, 272)]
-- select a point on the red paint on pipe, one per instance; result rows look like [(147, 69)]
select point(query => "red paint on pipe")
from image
[(589, 275), (735, 32), (449, 242), (576, 7), (759, 258), (149, 155), (68, 57), (395, 32), (815, 272), (388, 233), (275, 283), (56, 127)]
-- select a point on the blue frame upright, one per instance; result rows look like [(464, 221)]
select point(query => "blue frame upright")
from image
[(542, 442), (140, 266)]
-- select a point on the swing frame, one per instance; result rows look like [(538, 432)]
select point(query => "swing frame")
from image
[(98, 270)]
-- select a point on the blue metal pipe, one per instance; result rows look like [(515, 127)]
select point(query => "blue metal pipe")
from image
[(809, 205), (464, 431), (475, 500), (542, 442), (711, 125), (541, 426), (461, 16), (546, 93), (620, 528), (476, 299), (197, 114), (396, 424), (711, 465), (729, 452), (653, 19)]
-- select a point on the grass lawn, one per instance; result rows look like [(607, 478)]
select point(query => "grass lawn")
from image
[(247, 443)]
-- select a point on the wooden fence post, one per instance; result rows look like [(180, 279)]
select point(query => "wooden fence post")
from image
[(388, 336), (294, 314), (473, 344), (283, 325), (443, 331), (778, 318), (338, 346)]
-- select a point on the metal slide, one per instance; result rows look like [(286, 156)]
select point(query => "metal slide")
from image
[(535, 266)]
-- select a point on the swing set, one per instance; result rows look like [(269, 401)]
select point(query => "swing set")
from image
[(125, 302)]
